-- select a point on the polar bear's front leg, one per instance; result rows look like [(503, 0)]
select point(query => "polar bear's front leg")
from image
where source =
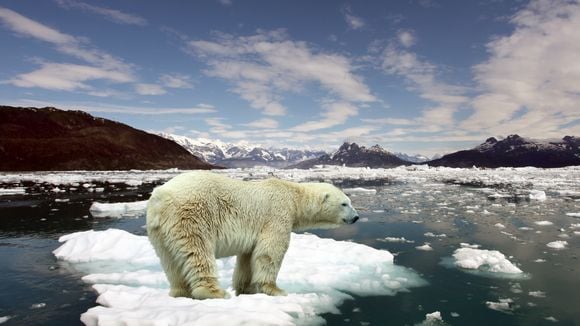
[(266, 261)]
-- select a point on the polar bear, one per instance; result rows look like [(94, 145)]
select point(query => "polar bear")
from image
[(197, 217)]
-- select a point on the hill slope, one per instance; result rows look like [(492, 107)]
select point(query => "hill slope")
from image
[(48, 139)]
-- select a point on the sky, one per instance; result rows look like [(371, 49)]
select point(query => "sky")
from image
[(414, 76)]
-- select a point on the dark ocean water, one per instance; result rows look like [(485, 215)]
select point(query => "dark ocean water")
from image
[(35, 289)]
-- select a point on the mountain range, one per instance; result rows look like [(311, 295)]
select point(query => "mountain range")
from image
[(242, 155), (48, 139), (351, 154), (516, 151), (44, 139)]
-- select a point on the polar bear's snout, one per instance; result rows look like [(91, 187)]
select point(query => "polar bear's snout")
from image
[(353, 217)]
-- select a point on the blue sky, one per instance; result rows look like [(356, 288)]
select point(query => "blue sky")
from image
[(415, 76)]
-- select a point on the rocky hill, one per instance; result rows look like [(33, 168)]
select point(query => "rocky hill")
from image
[(48, 139), (351, 154), (242, 155), (516, 151)]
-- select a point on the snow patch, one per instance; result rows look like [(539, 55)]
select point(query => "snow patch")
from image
[(543, 223), (359, 190)]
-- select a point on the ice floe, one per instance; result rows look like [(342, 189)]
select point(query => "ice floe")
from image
[(118, 209), (543, 223), (359, 190), (425, 247), (489, 261), (394, 239), (504, 305), (559, 244), (133, 290), (537, 195), (12, 191)]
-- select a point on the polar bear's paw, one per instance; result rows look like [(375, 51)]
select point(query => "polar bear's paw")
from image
[(202, 292), (271, 289)]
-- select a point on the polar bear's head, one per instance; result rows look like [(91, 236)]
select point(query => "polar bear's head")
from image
[(330, 208)]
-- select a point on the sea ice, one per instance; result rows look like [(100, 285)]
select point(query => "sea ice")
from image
[(359, 191), (573, 214), (485, 260), (537, 195), (537, 294), (4, 319), (12, 191), (118, 209), (504, 305), (425, 247), (543, 223), (133, 290), (393, 239), (559, 244)]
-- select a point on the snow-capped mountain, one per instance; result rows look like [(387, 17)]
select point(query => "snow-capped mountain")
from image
[(351, 154), (516, 151), (236, 155), (418, 158)]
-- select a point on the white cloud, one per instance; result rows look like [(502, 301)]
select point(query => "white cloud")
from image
[(110, 14), (72, 77), (66, 77), (391, 121), (421, 76), (531, 82), (406, 38), (104, 108), (264, 66), (176, 81), (354, 22), (149, 89), (335, 113), (265, 123)]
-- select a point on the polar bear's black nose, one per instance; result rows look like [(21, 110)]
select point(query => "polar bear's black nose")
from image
[(354, 219)]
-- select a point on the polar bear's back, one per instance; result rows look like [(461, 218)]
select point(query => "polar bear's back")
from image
[(216, 198)]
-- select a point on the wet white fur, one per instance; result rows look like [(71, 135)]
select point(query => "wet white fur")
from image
[(198, 216)]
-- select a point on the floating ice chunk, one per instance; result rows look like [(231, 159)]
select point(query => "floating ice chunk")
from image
[(486, 260), (573, 214), (537, 195), (433, 235), (436, 315), (504, 305), (552, 319), (425, 247), (454, 314), (12, 191), (499, 225), (537, 294), (467, 245), (539, 260), (4, 319), (38, 305), (359, 190), (393, 239), (118, 210), (133, 289), (543, 223), (559, 244)]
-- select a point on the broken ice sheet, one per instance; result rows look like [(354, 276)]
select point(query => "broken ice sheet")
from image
[(132, 287)]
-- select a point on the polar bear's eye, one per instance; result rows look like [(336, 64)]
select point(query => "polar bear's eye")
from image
[(344, 204)]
